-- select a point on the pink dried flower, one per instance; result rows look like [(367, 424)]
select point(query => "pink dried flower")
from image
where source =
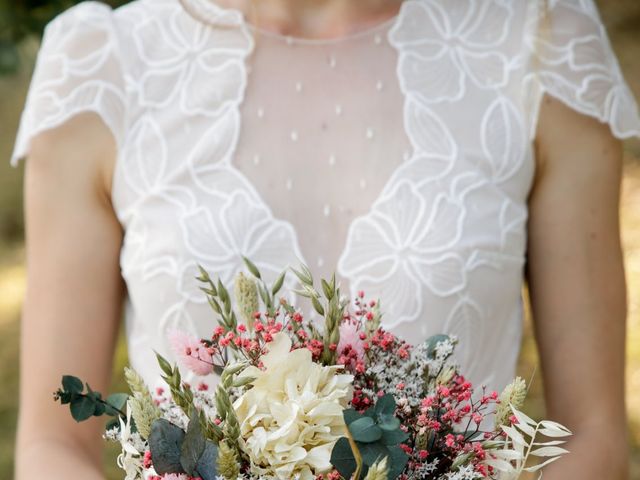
[(350, 335), (191, 353)]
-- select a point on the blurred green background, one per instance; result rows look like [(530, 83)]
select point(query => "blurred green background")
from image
[(19, 20)]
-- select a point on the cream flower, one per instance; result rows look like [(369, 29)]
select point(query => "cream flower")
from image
[(292, 416)]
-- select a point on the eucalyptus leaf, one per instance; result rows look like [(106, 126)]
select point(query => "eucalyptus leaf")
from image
[(397, 461), (393, 437), (386, 405), (99, 409), (193, 445), (365, 430), (372, 452), (207, 463), (388, 422), (116, 402), (350, 415), (165, 442), (342, 458), (72, 384), (82, 408)]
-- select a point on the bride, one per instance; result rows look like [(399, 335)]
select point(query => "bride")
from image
[(439, 154)]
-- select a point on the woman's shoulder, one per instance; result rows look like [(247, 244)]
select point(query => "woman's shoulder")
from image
[(97, 18)]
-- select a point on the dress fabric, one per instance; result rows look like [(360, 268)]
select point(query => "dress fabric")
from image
[(400, 155)]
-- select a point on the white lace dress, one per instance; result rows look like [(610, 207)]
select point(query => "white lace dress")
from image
[(400, 155)]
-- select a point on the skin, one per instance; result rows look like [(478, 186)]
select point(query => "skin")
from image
[(574, 273), (576, 280), (74, 294)]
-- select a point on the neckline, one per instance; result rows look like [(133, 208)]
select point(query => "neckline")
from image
[(211, 13)]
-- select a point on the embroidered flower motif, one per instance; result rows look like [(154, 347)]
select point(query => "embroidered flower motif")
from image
[(403, 245), (574, 63), (219, 237), (443, 46), (201, 66)]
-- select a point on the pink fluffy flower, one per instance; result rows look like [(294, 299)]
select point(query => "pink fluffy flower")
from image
[(191, 353), (350, 335)]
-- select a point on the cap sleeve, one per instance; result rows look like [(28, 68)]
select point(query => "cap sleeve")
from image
[(571, 59), (77, 70)]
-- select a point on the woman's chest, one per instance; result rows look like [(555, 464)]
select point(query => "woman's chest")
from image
[(401, 157)]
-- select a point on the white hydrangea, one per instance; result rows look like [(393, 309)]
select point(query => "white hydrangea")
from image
[(292, 416)]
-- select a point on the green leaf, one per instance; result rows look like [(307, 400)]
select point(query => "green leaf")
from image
[(365, 430), (204, 275), (350, 415), (393, 437), (397, 461), (277, 285), (115, 402), (222, 292), (193, 445), (372, 452), (72, 384), (264, 295), (388, 422), (82, 408), (99, 409), (165, 442), (316, 304), (303, 275), (252, 267), (342, 458), (328, 292), (386, 405), (207, 463), (165, 366)]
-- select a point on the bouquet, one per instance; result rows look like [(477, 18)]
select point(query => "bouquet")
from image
[(340, 398)]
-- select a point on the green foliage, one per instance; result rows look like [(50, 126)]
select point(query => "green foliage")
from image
[(84, 405), (165, 443), (332, 310), (175, 451), (342, 458), (377, 435)]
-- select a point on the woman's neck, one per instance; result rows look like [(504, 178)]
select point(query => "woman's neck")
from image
[(315, 18)]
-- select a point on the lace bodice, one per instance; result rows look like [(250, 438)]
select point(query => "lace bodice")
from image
[(401, 154)]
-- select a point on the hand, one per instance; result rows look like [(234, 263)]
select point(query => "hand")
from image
[(595, 454)]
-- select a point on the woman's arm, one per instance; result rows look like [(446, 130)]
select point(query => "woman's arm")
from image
[(577, 288), (74, 295)]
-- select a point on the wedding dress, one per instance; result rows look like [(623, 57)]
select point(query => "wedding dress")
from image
[(400, 155)]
